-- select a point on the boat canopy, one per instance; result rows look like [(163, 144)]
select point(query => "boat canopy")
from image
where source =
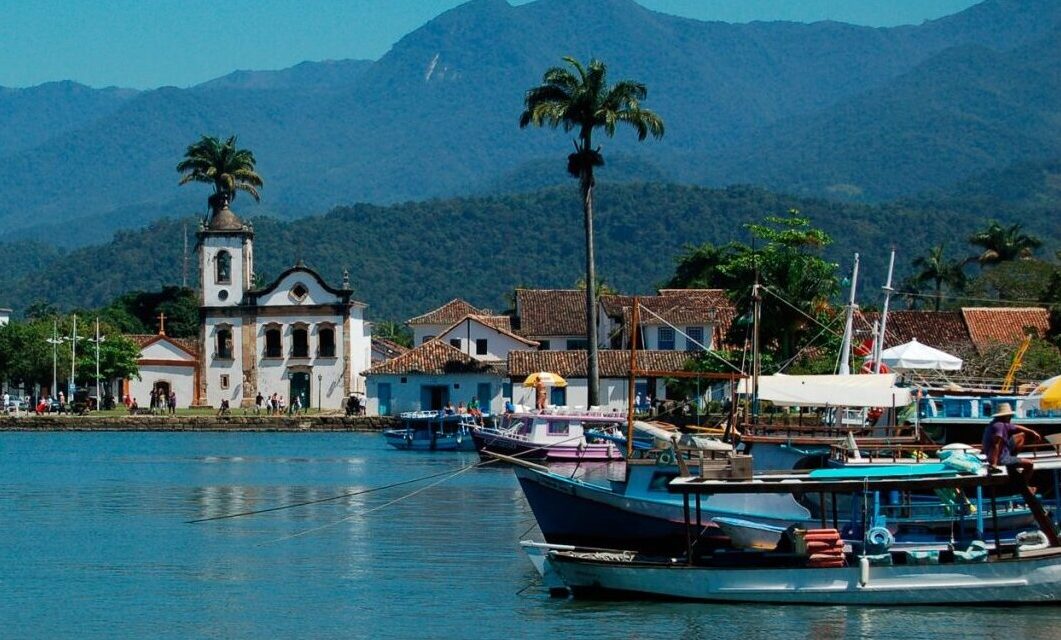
[(877, 390), (914, 355)]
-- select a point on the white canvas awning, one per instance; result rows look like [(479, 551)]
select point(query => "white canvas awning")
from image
[(866, 390), (914, 355)]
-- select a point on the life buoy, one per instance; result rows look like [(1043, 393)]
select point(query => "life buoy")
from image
[(880, 537), (665, 458), (874, 414), (867, 367)]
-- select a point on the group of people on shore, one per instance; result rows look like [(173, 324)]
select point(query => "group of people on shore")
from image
[(276, 405), (159, 402)]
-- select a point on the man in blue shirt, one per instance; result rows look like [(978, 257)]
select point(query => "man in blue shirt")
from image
[(1003, 440)]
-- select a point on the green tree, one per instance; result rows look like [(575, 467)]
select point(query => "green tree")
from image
[(583, 100), (1002, 244), (786, 260), (118, 357), (221, 164), (935, 268)]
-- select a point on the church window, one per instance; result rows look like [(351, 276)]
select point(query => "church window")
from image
[(299, 292), (273, 347), (223, 343), (224, 268), (224, 381), (326, 340), (299, 342)]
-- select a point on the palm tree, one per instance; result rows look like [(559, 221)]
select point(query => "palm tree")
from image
[(221, 164), (935, 268), (583, 100), (1002, 244)]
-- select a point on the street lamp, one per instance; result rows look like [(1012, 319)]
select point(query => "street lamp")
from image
[(97, 340), (55, 342), (319, 378), (72, 339)]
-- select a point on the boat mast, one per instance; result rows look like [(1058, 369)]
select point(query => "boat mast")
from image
[(635, 318), (845, 345), (884, 316), (757, 306)]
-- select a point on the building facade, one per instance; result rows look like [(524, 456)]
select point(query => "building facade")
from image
[(297, 337)]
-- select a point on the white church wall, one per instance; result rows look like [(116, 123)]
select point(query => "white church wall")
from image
[(216, 367), (282, 296), (180, 379), (223, 294)]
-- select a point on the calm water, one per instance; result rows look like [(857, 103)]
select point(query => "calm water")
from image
[(94, 544)]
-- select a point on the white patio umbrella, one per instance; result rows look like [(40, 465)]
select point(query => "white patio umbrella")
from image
[(914, 355)]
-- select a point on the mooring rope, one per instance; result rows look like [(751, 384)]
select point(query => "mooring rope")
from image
[(448, 472)]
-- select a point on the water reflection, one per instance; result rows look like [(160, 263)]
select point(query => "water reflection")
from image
[(96, 545)]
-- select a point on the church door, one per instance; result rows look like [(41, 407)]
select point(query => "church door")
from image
[(299, 388)]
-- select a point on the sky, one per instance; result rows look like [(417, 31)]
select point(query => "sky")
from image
[(145, 44)]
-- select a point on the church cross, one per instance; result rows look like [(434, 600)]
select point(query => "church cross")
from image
[(161, 324)]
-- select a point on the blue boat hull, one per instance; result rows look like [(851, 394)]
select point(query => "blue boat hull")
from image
[(422, 440)]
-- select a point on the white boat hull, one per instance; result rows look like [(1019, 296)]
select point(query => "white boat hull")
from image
[(1028, 580)]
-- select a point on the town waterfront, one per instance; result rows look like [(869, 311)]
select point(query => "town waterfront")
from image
[(96, 545)]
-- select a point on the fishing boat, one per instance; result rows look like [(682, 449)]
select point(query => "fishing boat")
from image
[(433, 431), (556, 434), (815, 567)]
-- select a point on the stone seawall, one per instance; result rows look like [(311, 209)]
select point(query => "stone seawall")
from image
[(196, 423)]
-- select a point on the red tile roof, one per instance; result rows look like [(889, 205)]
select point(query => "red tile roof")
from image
[(387, 348), (448, 313), (188, 345), (551, 312), (1004, 325), (939, 329), (433, 358), (612, 363), (500, 324), (679, 307)]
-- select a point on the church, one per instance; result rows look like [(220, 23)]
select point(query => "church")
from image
[(297, 337)]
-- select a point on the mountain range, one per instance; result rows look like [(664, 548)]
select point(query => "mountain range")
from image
[(817, 110)]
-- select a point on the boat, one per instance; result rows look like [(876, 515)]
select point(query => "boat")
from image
[(556, 434), (953, 416), (433, 431), (814, 567)]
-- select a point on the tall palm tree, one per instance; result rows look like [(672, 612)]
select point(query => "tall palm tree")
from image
[(584, 101), (1002, 244), (221, 164), (935, 268)]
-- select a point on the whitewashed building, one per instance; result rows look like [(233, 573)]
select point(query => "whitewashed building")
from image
[(614, 368), (5, 316), (431, 324), (430, 376), (297, 337), (166, 364)]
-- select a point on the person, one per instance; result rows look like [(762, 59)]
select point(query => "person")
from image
[(296, 405), (62, 402), (357, 405), (539, 395), (351, 405), (461, 409), (127, 401), (638, 402), (473, 407), (274, 402), (1003, 440), (133, 407), (258, 400), (280, 405), (510, 407), (223, 411), (173, 403), (449, 408)]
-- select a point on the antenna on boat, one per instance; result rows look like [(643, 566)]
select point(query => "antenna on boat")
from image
[(635, 319), (757, 307), (845, 345), (884, 315)]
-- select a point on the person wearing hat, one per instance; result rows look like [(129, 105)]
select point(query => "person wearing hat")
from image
[(1003, 440)]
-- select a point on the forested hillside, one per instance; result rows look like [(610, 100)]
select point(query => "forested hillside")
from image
[(405, 259)]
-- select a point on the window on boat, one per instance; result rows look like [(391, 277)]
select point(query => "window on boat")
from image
[(666, 339), (695, 339), (557, 428), (480, 347), (326, 342), (957, 408), (660, 480), (273, 347)]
